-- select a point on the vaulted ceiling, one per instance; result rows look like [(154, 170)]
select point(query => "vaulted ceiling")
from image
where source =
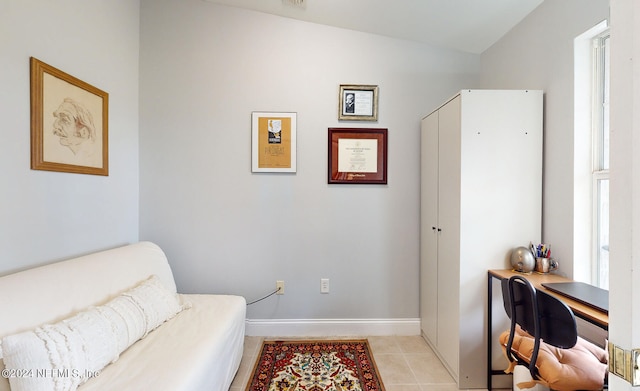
[(466, 25)]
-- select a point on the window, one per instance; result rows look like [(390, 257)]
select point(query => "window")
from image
[(590, 253), (600, 160)]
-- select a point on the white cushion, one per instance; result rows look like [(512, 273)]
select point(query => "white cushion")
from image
[(198, 350), (50, 293), (63, 355)]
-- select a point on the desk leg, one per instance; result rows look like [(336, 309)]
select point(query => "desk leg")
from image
[(489, 332), (490, 371)]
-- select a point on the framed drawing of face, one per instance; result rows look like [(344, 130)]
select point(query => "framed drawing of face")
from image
[(69, 123)]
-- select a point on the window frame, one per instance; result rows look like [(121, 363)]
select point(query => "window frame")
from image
[(600, 153)]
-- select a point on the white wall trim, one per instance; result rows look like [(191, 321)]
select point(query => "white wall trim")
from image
[(331, 327)]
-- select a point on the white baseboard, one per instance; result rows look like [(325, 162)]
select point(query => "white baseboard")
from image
[(331, 327)]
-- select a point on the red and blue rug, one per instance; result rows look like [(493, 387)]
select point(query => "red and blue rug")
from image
[(338, 365)]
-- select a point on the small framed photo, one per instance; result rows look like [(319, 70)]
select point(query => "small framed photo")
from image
[(358, 103), (273, 142), (357, 156), (69, 123)]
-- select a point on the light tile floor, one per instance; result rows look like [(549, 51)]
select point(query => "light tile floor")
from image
[(404, 364)]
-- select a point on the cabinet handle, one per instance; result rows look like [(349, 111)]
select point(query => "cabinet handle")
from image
[(439, 229), (433, 228)]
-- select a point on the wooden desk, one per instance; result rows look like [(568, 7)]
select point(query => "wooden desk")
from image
[(590, 314)]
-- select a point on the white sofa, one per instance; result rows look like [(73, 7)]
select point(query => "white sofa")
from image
[(200, 348)]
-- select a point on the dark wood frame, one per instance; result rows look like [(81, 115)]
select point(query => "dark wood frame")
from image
[(378, 177), (38, 162)]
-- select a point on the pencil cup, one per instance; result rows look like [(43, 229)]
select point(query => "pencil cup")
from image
[(546, 265)]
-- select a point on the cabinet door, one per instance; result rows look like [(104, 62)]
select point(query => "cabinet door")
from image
[(428, 227), (449, 236)]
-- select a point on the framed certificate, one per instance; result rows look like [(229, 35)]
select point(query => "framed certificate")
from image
[(358, 103), (357, 155), (273, 142)]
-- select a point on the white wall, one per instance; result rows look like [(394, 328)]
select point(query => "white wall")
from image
[(46, 216), (624, 295), (204, 69), (538, 54)]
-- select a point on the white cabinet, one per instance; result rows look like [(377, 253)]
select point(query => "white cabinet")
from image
[(481, 196)]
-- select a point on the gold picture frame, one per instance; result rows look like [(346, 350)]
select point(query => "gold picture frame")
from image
[(69, 123), (273, 142), (358, 102)]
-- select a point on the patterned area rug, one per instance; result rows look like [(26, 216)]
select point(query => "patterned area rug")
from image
[(339, 365)]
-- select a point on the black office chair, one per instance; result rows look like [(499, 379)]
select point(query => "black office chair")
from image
[(543, 336)]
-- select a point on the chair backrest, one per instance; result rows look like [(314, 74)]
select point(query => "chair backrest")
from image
[(557, 322), (541, 315)]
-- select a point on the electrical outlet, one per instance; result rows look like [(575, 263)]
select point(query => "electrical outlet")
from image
[(280, 287), (324, 285)]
